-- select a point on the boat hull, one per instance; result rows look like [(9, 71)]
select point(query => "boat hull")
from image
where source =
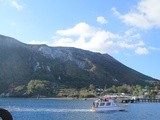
[(108, 105), (112, 108)]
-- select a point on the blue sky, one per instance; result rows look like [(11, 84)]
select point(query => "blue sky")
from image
[(128, 30)]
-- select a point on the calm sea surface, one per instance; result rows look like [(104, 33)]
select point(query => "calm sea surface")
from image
[(44, 109)]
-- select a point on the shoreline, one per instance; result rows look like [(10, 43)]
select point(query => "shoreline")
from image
[(67, 98), (54, 98)]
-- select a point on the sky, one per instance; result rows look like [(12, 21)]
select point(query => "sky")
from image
[(128, 30)]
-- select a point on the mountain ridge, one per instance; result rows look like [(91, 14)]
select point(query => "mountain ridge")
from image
[(69, 66)]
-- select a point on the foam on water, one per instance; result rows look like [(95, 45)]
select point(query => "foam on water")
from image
[(47, 110)]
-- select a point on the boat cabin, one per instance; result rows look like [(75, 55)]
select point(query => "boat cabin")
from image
[(106, 105), (97, 103)]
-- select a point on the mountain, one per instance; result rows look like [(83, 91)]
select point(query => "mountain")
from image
[(68, 66)]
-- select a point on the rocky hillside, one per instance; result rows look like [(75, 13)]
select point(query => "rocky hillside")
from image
[(71, 67)]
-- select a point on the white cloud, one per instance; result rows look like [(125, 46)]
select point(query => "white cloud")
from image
[(154, 48), (88, 37), (81, 29), (150, 9), (37, 42), (12, 3), (131, 34), (131, 45), (101, 20), (64, 42), (141, 50), (17, 5), (145, 15)]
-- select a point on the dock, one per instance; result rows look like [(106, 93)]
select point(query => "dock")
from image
[(139, 100)]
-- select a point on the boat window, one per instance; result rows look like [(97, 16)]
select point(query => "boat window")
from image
[(108, 104), (102, 104)]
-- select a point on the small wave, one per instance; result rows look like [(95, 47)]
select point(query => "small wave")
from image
[(47, 110)]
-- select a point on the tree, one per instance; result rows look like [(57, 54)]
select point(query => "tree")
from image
[(122, 89), (91, 87), (73, 93), (137, 90), (152, 94), (38, 87), (83, 92), (112, 89)]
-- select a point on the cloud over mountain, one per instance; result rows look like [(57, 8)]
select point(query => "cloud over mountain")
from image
[(144, 15), (95, 39)]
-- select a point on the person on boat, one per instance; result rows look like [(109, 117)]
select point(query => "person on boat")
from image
[(99, 100), (107, 99)]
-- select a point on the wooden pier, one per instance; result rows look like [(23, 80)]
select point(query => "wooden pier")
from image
[(139, 100)]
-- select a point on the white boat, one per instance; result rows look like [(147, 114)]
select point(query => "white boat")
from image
[(100, 105)]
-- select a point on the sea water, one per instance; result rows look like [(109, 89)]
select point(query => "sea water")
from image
[(48, 109)]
